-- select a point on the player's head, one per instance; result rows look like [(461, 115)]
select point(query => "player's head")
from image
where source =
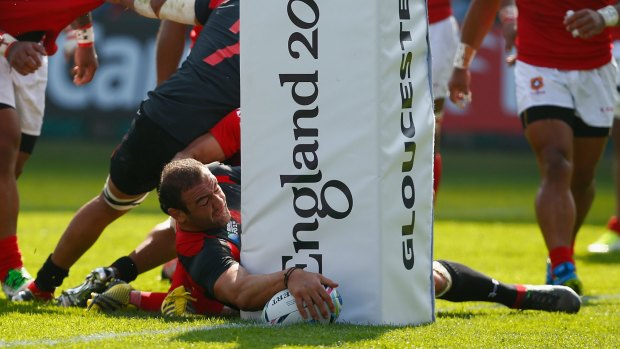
[(189, 192)]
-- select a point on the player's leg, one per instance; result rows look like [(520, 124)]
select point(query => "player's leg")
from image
[(556, 213), (22, 100), (437, 160), (587, 153), (11, 259), (134, 171), (456, 282), (444, 38), (610, 241)]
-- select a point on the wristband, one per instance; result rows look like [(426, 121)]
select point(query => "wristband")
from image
[(85, 36), (609, 14), (508, 14), (464, 55), (6, 41), (288, 273)]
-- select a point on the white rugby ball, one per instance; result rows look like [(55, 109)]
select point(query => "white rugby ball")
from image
[(282, 309)]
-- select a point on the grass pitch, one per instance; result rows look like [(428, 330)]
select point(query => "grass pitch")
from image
[(485, 219)]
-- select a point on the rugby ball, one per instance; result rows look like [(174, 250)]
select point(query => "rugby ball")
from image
[(282, 309)]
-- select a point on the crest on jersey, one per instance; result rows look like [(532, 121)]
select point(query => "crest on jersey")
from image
[(537, 83)]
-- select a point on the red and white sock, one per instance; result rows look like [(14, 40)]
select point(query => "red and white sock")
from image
[(11, 256)]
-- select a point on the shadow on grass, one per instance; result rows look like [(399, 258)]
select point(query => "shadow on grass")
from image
[(601, 258), (251, 335)]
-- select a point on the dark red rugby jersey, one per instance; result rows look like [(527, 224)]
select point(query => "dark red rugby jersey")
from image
[(18, 17)]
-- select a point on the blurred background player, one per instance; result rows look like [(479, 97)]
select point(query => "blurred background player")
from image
[(209, 279), (565, 98), (28, 32), (443, 35), (610, 241), (202, 92)]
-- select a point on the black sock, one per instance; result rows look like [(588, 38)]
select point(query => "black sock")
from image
[(50, 276), (470, 285), (127, 269)]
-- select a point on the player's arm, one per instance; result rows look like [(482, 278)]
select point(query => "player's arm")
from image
[(169, 48), (23, 56), (236, 286), (84, 56), (219, 144), (586, 23), (180, 11), (478, 21), (508, 14)]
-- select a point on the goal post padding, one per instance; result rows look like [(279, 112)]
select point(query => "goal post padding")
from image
[(337, 142)]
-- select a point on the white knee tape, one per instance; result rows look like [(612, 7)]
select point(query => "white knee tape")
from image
[(118, 203), (143, 7), (181, 11)]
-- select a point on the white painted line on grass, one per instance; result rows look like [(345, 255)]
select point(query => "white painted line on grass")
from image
[(117, 335)]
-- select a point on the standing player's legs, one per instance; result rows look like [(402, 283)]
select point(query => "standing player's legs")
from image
[(134, 171), (556, 213), (444, 39), (566, 116), (610, 241), (22, 100)]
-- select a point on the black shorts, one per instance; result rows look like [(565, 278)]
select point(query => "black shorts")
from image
[(580, 128), (207, 85), (137, 162)]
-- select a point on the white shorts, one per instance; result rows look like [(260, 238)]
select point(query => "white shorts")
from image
[(591, 93), (26, 93), (444, 38)]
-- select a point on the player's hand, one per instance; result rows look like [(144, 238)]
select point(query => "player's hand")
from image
[(458, 86), (25, 56), (308, 289), (85, 65), (584, 23), (509, 32)]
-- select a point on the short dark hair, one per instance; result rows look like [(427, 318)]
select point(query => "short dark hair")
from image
[(177, 177)]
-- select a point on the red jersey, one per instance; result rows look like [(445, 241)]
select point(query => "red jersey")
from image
[(19, 17), (438, 10), (544, 41)]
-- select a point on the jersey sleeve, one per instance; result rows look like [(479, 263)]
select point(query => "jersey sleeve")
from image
[(228, 134), (210, 263)]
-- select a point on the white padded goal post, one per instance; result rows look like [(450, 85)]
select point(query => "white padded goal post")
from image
[(337, 143)]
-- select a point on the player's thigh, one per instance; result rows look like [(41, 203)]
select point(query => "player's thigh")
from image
[(137, 162), (552, 142)]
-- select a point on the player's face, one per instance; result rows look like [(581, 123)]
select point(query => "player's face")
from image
[(206, 204)]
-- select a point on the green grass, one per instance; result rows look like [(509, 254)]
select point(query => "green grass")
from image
[(484, 219)]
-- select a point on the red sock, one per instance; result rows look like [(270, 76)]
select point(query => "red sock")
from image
[(436, 174), (521, 291), (614, 225), (561, 255), (11, 256), (148, 301), (36, 291)]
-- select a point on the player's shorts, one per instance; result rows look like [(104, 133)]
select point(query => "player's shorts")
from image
[(137, 162), (25, 93), (444, 39), (590, 95)]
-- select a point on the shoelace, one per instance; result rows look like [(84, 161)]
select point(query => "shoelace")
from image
[(546, 298)]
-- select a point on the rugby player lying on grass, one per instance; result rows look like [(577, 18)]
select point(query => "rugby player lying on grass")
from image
[(204, 201)]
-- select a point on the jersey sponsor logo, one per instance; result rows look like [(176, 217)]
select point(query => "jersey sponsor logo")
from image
[(536, 84)]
